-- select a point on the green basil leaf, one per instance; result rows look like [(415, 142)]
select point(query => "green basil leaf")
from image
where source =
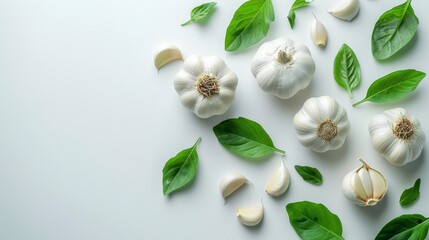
[(411, 194), (249, 24), (296, 5), (180, 170), (393, 86), (201, 13), (347, 69), (310, 174), (405, 227), (393, 30), (314, 221), (245, 138)]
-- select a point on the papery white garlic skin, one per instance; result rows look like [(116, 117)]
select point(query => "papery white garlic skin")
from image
[(251, 216), (206, 85), (318, 33), (346, 10), (166, 54), (279, 181), (230, 183), (364, 186), (321, 124), (397, 135), (283, 67)]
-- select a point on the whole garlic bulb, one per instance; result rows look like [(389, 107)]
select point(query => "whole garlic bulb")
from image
[(364, 186), (283, 67), (397, 136), (321, 124), (206, 85)]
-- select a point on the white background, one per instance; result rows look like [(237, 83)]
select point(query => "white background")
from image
[(87, 123)]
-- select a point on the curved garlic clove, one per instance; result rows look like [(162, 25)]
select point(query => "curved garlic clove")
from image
[(251, 216), (318, 33), (346, 10), (364, 186), (397, 135), (279, 181), (230, 183), (166, 54)]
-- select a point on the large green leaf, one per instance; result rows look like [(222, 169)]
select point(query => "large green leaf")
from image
[(411, 194), (180, 169), (296, 5), (201, 13), (245, 138), (393, 30), (310, 174), (249, 24), (393, 86), (314, 221), (347, 69), (405, 227)]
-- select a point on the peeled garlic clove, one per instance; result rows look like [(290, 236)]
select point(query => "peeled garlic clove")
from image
[(230, 183), (318, 33), (166, 54), (346, 10), (364, 186), (279, 181), (251, 216)]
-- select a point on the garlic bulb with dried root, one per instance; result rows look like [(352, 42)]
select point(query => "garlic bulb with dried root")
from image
[(283, 67), (397, 136), (364, 186), (321, 124), (206, 85)]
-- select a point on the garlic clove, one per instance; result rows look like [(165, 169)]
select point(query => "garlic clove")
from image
[(346, 10), (251, 216), (365, 178), (279, 181), (166, 54), (357, 187), (230, 183), (318, 33), (379, 184)]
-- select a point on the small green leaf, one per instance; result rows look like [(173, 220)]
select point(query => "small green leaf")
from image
[(310, 174), (347, 69), (201, 13), (393, 30), (314, 221), (245, 138), (405, 227), (411, 194), (296, 5), (393, 86), (249, 24), (180, 170)]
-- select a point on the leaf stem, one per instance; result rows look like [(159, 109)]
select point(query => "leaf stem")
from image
[(186, 23), (197, 142), (350, 93), (361, 101), (280, 151)]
